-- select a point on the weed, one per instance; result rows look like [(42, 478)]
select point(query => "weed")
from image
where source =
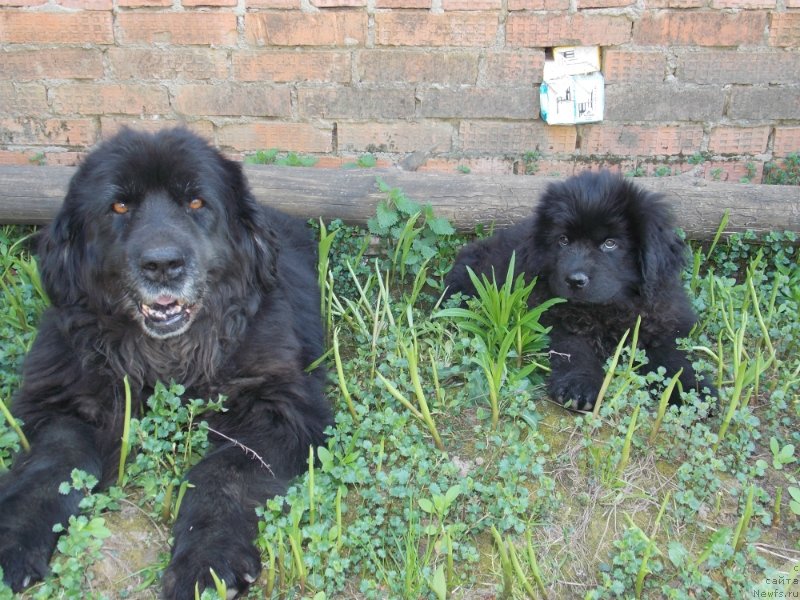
[(273, 156), (785, 172)]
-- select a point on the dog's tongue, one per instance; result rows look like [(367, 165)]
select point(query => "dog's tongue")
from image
[(164, 300)]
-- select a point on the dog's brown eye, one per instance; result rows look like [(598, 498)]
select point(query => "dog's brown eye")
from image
[(119, 207), (609, 244), (196, 203), (563, 240)]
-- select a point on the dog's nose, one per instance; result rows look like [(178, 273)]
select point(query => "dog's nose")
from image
[(577, 280), (162, 264)]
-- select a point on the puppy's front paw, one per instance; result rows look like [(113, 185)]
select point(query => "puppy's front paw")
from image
[(24, 562), (236, 562), (576, 392)]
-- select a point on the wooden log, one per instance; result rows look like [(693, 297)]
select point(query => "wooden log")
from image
[(32, 195)]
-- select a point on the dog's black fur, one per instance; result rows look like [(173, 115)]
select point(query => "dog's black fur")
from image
[(162, 266), (609, 248)]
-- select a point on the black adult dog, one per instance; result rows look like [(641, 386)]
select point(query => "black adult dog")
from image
[(609, 248), (162, 266)]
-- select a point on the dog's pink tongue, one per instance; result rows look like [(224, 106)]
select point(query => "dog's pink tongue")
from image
[(164, 300)]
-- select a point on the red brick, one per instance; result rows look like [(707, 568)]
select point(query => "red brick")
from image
[(394, 137), (784, 30), (541, 31), (743, 4), (233, 100), (725, 67), (787, 141), (755, 103), (86, 4), (478, 103), (476, 166), (641, 140), (16, 158), (654, 4), (471, 4), (297, 137), (512, 68), (733, 171), (143, 3), (337, 3), (504, 137), (634, 65), (272, 3), (738, 140), (190, 3), (23, 98), (704, 28), (356, 103), (22, 3), (538, 4), (64, 159), (411, 67), (792, 3), (56, 28), (111, 125), (403, 4), (168, 63), (110, 98), (33, 132), (339, 28), (429, 29), (285, 67), (50, 63), (583, 4), (178, 28)]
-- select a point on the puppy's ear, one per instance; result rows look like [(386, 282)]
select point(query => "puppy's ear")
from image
[(662, 253), (60, 253)]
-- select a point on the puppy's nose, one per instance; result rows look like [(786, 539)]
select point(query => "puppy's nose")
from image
[(162, 264), (577, 280)]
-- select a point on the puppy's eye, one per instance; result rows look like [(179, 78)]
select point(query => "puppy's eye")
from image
[(609, 244), (563, 240), (119, 207), (196, 203)]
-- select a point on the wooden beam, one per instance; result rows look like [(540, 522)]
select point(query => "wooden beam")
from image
[(32, 195)]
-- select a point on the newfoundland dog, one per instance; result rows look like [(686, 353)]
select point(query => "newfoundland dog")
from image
[(608, 248), (161, 266)]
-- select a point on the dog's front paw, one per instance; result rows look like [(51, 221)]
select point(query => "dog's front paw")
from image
[(575, 393), (23, 561), (235, 562)]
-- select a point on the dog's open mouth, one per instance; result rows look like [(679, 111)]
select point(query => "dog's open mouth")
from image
[(166, 316)]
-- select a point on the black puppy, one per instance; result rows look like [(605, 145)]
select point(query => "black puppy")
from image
[(609, 248), (162, 266)]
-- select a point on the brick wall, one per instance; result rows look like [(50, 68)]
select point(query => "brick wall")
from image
[(714, 82)]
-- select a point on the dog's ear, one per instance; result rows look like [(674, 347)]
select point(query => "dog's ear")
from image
[(662, 253)]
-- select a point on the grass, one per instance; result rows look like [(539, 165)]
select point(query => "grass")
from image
[(448, 473)]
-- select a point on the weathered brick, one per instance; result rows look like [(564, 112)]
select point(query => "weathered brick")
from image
[(429, 29), (356, 103), (512, 68), (476, 166), (665, 102), (734, 171), (110, 98), (584, 4), (534, 30), (284, 67), (22, 98), (411, 67), (297, 137), (22, 3), (56, 28), (111, 125), (702, 28), (339, 28), (504, 137), (337, 3), (233, 99), (272, 3), (763, 104), (16, 157), (787, 141), (738, 140), (471, 4), (394, 137), (641, 66), (654, 4), (143, 3), (30, 131), (641, 140), (538, 4), (86, 4), (784, 29), (792, 3), (168, 63), (191, 3), (49, 63), (725, 67), (403, 4), (64, 159), (178, 28), (478, 103), (743, 4)]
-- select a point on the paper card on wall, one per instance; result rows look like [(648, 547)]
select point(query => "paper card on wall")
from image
[(570, 99), (576, 60)]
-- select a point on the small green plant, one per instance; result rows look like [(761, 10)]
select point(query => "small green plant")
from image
[(662, 171), (530, 160), (794, 502), (785, 172), (781, 455), (698, 158), (463, 169), (365, 161), (39, 159), (273, 156), (637, 171)]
